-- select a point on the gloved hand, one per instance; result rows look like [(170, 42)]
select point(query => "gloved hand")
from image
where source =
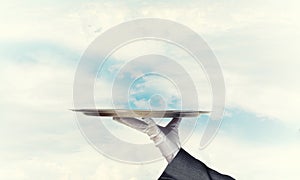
[(165, 138)]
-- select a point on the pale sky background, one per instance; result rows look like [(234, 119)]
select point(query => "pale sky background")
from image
[(256, 43)]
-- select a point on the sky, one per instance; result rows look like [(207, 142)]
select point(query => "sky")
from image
[(255, 42)]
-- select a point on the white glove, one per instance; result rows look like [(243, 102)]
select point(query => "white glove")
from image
[(165, 138)]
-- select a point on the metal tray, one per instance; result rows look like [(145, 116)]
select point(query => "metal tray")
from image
[(140, 113)]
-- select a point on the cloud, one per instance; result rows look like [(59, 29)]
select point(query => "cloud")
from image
[(256, 44), (247, 161), (249, 41)]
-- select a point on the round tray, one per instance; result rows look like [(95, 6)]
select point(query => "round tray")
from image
[(140, 113)]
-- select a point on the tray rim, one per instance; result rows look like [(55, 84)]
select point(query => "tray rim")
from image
[(141, 113)]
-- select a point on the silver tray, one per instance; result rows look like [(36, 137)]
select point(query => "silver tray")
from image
[(140, 113)]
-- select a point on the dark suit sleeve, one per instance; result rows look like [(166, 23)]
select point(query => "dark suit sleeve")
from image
[(186, 167)]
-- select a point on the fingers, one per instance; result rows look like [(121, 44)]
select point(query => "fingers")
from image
[(132, 122), (152, 129), (174, 123), (149, 121)]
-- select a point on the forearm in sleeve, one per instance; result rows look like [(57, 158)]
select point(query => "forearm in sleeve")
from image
[(186, 167)]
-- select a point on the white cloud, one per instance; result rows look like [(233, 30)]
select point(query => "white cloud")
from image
[(244, 160), (249, 41), (256, 43), (36, 85), (278, 101)]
